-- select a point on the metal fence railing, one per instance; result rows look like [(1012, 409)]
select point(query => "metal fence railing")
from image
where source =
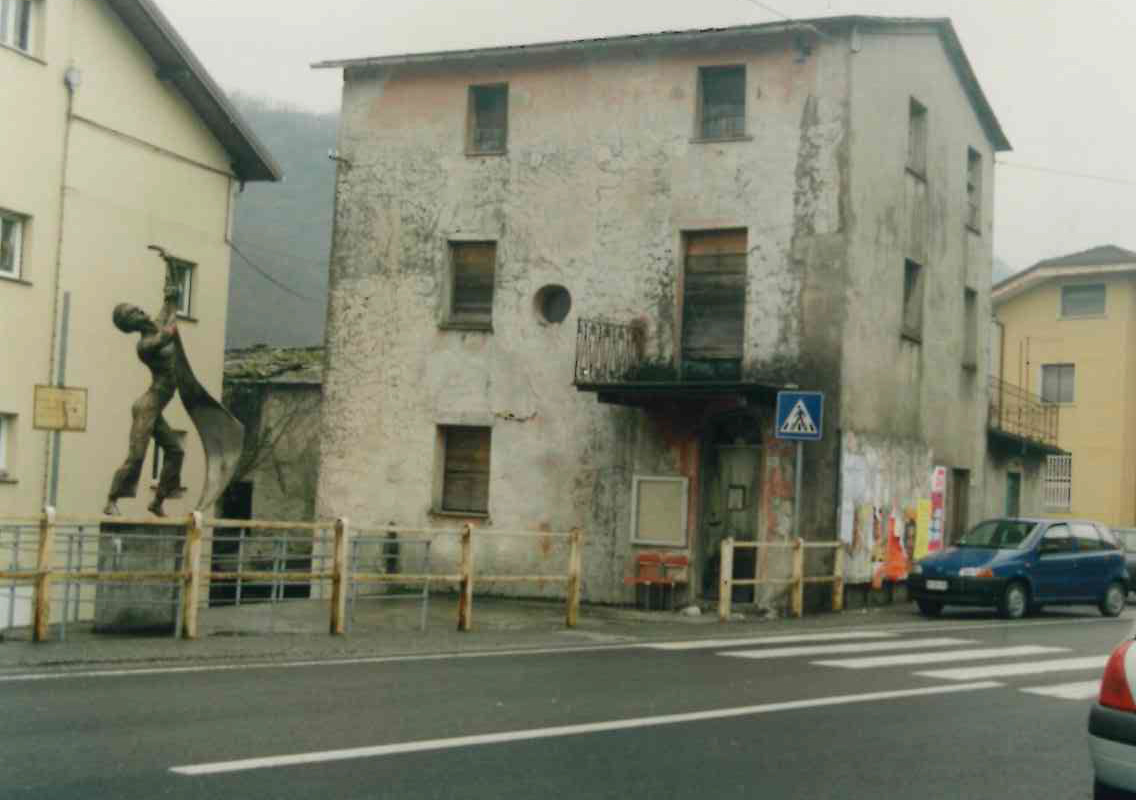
[(1019, 413), (113, 566)]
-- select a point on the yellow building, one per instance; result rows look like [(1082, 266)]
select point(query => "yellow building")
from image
[(1064, 329), (121, 140)]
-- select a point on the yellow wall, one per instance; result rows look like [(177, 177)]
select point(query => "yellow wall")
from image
[(141, 169), (1097, 427)]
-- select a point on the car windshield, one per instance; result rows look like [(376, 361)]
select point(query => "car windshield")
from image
[(1002, 534)]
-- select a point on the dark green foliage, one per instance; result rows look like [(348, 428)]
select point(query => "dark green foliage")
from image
[(285, 229)]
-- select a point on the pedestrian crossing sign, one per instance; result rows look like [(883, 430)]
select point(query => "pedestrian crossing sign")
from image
[(800, 415)]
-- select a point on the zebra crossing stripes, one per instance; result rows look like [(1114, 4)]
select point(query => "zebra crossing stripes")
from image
[(714, 644), (1011, 670), (851, 647), (907, 659), (1080, 690)]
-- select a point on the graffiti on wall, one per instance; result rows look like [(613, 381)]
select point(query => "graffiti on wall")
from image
[(888, 511)]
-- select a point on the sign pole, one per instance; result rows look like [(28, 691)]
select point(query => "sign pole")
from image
[(797, 490), (56, 439)]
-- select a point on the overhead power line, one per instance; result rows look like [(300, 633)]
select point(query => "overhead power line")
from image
[(1067, 173), (771, 9), (270, 278)]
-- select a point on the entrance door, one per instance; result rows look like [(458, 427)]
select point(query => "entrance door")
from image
[(731, 511), (959, 503), (1013, 494)]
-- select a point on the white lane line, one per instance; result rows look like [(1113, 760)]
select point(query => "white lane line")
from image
[(854, 647), (975, 654), (330, 662), (567, 730), (706, 644), (1008, 670), (1081, 690)]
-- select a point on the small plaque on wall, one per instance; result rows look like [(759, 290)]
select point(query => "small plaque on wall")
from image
[(60, 408)]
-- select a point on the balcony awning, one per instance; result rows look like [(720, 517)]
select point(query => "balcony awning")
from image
[(650, 392), (1012, 444)]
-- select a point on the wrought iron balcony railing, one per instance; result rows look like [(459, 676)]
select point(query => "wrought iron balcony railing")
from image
[(1016, 412), (607, 352)]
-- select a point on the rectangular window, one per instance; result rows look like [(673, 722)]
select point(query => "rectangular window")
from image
[(973, 190), (11, 244), (7, 424), (473, 265), (713, 304), (722, 93), (15, 23), (970, 328), (659, 510), (917, 138), (912, 301), (1083, 300), (184, 272), (488, 125), (1057, 383), (1058, 484), (465, 474)]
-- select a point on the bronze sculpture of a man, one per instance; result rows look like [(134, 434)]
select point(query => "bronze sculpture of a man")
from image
[(158, 350)]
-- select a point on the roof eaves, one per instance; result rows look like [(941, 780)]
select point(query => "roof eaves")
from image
[(250, 158), (946, 30)]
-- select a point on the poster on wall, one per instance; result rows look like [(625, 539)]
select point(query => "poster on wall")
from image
[(938, 502)]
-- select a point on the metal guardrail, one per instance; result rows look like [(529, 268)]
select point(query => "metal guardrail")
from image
[(607, 352), (43, 572), (1019, 413)]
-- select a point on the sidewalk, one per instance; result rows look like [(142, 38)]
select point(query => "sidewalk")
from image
[(298, 629)]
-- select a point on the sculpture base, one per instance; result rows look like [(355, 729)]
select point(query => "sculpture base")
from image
[(139, 607)]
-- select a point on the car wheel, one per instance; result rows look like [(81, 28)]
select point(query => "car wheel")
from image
[(929, 608), (1015, 601), (1113, 601)]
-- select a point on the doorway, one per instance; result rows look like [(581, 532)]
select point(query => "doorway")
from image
[(730, 500), (959, 500), (1013, 494)]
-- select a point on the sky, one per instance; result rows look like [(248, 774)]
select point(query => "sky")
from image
[(1056, 72)]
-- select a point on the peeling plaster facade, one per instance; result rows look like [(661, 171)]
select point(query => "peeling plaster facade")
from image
[(602, 178)]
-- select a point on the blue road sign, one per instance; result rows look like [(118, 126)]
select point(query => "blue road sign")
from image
[(800, 416)]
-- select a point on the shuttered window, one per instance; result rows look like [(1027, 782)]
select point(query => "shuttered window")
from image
[(713, 309), (488, 119), (723, 102), (465, 479), (473, 270)]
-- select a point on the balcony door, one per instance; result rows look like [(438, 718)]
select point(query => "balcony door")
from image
[(713, 304)]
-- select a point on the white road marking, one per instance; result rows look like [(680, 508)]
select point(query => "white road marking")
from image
[(853, 647), (330, 662), (975, 654), (706, 644), (1082, 690), (1007, 670), (567, 730)]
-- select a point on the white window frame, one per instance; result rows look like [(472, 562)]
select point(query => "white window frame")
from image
[(684, 514), (8, 28), (1061, 314), (185, 287), (1058, 483), (20, 222), (1041, 383), (6, 421)]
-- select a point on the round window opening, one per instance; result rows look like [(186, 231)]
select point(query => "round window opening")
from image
[(553, 302)]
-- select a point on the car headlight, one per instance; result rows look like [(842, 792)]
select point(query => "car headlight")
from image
[(976, 572), (917, 569)]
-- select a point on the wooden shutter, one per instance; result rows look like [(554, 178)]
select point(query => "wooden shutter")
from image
[(713, 311), (466, 480), (473, 264)]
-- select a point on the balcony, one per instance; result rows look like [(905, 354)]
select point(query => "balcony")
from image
[(1021, 419), (611, 360)]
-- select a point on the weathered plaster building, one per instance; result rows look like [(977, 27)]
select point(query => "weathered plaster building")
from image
[(568, 280)]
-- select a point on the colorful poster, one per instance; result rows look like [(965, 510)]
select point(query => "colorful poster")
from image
[(922, 528), (938, 499)]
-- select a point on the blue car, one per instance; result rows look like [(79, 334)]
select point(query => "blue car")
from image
[(1019, 565)]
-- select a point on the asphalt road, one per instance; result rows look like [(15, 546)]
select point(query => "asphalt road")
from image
[(846, 713)]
